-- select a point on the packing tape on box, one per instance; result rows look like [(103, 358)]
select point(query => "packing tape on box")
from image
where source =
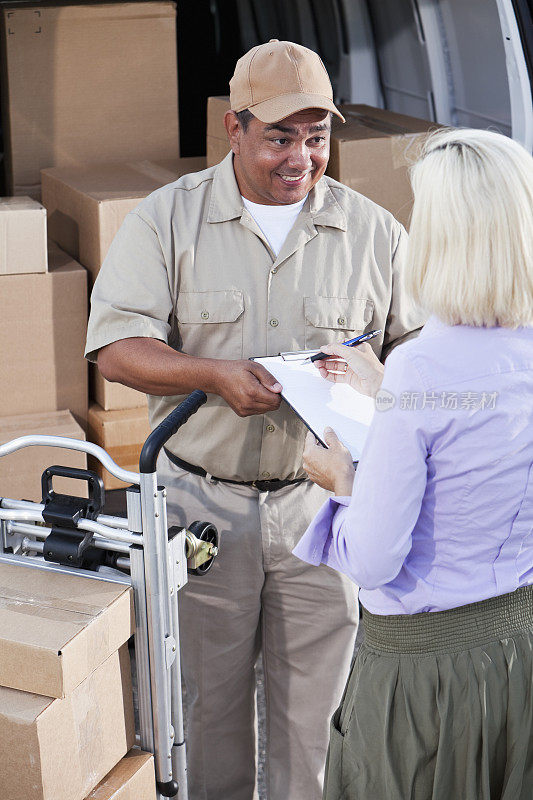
[(35, 608), (15, 602), (86, 711), (90, 716), (95, 639)]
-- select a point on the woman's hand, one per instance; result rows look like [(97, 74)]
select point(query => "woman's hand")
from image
[(333, 468), (358, 366)]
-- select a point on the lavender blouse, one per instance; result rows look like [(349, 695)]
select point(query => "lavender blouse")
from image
[(441, 513)]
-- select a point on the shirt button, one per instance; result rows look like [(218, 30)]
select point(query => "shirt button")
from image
[(270, 428), (265, 474), (205, 315), (341, 321), (274, 322), (274, 270)]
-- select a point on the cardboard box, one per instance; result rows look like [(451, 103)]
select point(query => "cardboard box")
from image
[(217, 145), (57, 628), (132, 779), (20, 472), (114, 396), (122, 434), (61, 749), (87, 84), (86, 205), (217, 150), (372, 151), (43, 324), (22, 236)]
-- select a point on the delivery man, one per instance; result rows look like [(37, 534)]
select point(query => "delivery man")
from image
[(258, 255)]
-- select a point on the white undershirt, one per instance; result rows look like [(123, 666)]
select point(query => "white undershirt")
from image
[(274, 221)]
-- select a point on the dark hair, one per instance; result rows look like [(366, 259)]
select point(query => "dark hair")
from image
[(244, 118)]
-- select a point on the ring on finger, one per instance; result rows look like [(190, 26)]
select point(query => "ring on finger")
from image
[(342, 367)]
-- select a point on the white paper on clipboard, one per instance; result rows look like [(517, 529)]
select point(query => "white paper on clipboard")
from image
[(320, 403)]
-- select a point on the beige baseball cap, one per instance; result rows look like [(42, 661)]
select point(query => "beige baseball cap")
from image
[(277, 79)]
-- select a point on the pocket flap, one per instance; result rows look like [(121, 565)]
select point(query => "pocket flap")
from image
[(200, 307), (344, 313)]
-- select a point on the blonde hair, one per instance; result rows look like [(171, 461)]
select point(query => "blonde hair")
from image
[(470, 258)]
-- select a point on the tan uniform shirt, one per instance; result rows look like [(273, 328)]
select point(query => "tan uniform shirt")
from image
[(191, 267)]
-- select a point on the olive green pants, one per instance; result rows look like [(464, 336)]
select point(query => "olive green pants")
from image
[(439, 706)]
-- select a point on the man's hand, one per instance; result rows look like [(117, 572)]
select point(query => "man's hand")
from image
[(358, 366), (332, 469), (248, 388), (151, 366)]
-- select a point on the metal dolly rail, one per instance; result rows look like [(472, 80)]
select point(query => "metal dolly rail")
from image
[(74, 536)]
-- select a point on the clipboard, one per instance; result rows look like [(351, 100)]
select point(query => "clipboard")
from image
[(320, 403)]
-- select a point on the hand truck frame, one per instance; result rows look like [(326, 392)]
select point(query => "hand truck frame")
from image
[(157, 559)]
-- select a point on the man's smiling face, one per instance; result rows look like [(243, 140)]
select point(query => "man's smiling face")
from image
[(278, 163)]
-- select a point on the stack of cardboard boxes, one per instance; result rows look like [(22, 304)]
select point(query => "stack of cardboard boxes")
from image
[(89, 94), (43, 315), (86, 206), (87, 84), (66, 710), (370, 153)]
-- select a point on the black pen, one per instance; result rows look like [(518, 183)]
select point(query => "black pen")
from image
[(350, 343)]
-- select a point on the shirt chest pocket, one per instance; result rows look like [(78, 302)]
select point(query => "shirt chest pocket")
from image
[(333, 319), (211, 323)]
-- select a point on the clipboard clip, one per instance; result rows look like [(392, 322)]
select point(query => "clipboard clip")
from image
[(298, 355)]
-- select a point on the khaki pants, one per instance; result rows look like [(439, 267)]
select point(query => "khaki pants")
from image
[(258, 596)]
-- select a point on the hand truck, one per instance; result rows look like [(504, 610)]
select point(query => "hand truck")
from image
[(74, 536)]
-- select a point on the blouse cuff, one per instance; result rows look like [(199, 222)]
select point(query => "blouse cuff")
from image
[(313, 544)]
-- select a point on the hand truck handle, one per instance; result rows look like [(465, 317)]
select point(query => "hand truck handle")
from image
[(95, 503), (160, 435)]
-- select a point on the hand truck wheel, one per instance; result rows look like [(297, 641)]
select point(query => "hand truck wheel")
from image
[(204, 532)]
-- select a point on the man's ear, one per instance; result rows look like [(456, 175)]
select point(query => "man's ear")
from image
[(234, 130)]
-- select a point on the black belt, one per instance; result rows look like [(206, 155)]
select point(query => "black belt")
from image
[(262, 486)]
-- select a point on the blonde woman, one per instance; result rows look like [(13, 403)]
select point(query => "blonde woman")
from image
[(438, 530)]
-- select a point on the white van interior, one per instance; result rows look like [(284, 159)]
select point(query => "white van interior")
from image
[(455, 62)]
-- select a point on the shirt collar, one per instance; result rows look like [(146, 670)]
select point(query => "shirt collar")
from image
[(324, 207), (226, 202), (436, 325), (432, 325)]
